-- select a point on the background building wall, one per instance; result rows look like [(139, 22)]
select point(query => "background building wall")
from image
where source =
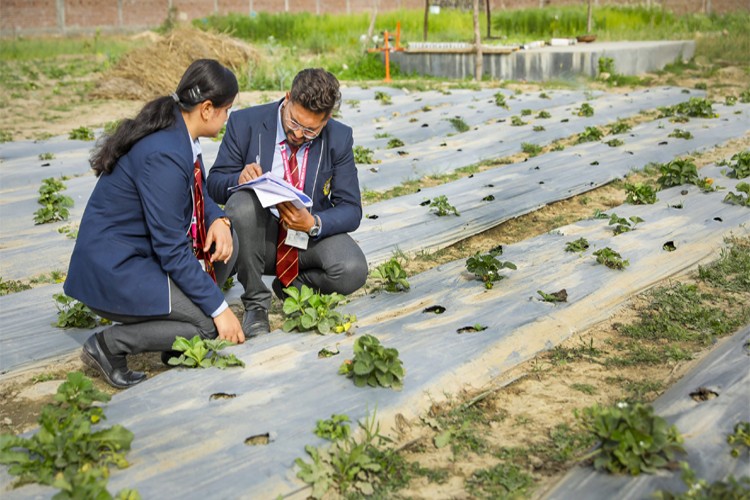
[(30, 17)]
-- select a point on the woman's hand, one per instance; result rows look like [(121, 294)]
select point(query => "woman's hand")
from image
[(219, 235), (229, 327)]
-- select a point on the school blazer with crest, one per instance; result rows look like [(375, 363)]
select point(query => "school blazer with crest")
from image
[(331, 180), (134, 238)]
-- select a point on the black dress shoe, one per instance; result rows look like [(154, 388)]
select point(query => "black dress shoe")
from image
[(255, 322), (113, 368)]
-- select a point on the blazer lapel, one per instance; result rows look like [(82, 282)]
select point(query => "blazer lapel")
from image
[(267, 139), (313, 164)]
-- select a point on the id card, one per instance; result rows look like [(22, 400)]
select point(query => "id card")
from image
[(296, 239)]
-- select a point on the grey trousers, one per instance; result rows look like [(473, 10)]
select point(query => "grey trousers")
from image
[(331, 264), (136, 334)]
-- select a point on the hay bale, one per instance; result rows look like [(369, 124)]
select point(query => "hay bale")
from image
[(152, 71)]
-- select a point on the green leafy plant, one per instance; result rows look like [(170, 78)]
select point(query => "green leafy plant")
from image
[(584, 110), (544, 114), (12, 286), (363, 155), (730, 100), (741, 197), (739, 165), (46, 156), (632, 438), (441, 207), (677, 172), (701, 489), (203, 353), (394, 143), (503, 480), (374, 365), (745, 96), (459, 124), (500, 100), (383, 97), (619, 127), (487, 267), (6, 136), (391, 276), (67, 451), (307, 310), (622, 225), (579, 245), (516, 121), (613, 143), (695, 107), (333, 429), (350, 468), (559, 296), (531, 149), (640, 194), (72, 313), (591, 134), (707, 185), (538, 128), (739, 440), (526, 112), (610, 258), (679, 133), (81, 133), (54, 205)]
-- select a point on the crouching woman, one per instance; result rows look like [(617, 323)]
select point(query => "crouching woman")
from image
[(152, 244)]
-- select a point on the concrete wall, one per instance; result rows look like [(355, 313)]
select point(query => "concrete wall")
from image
[(630, 58), (33, 17)]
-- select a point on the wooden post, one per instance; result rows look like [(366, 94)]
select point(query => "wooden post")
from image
[(426, 19), (478, 63), (588, 18), (489, 18), (387, 58)]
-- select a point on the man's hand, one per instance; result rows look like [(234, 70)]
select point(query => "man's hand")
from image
[(219, 235), (229, 327), (295, 218), (250, 172)]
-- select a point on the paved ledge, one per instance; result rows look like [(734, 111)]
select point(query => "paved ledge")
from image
[(548, 63)]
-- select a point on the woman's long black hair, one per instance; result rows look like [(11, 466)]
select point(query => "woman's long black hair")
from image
[(204, 80)]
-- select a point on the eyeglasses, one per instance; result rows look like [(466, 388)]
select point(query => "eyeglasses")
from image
[(307, 133)]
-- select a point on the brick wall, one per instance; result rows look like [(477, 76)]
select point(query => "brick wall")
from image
[(71, 16)]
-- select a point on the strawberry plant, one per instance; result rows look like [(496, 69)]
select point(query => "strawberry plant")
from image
[(679, 133), (640, 194), (559, 296), (72, 313), (740, 165), (203, 353), (538, 128), (54, 205), (677, 172), (739, 440), (619, 127), (500, 100), (745, 96), (613, 143), (46, 156), (695, 107), (544, 114), (622, 225), (67, 451), (383, 97), (701, 489), (610, 258), (81, 133), (487, 267), (441, 207), (515, 121), (333, 429), (363, 155), (632, 439), (12, 286), (308, 310), (579, 245), (730, 100), (526, 112), (374, 365), (591, 134), (459, 124), (742, 197), (391, 276), (706, 184), (395, 142), (584, 110)]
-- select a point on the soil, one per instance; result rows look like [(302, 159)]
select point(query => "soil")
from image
[(515, 414)]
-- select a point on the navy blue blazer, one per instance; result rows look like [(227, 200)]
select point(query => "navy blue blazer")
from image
[(331, 179), (134, 235)]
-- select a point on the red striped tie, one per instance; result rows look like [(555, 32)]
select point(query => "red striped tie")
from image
[(287, 258), (200, 221)]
